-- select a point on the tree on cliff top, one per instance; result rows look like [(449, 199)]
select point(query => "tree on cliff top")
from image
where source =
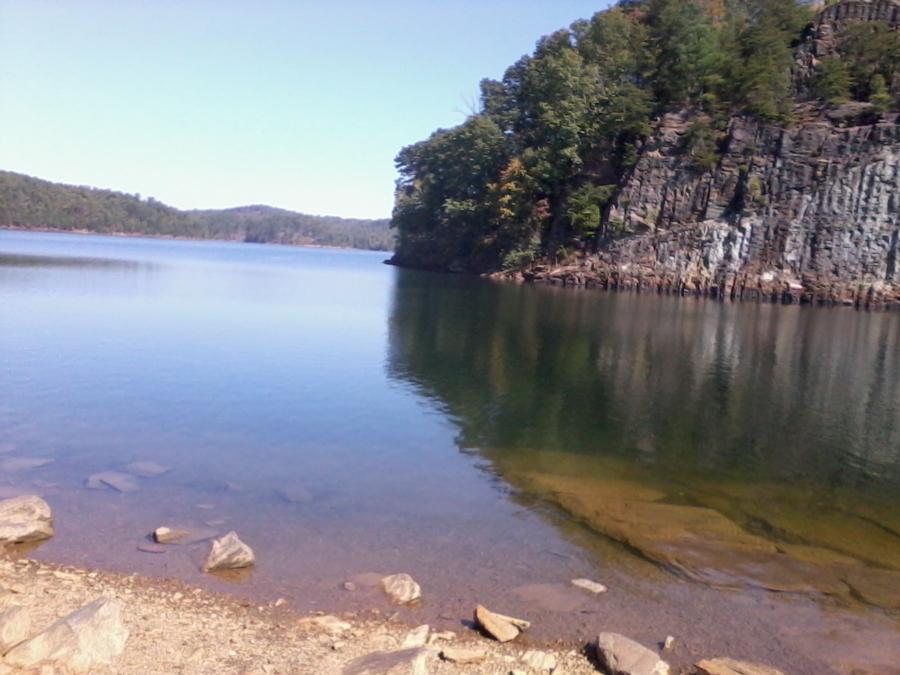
[(534, 170)]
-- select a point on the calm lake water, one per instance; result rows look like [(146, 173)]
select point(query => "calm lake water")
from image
[(731, 472)]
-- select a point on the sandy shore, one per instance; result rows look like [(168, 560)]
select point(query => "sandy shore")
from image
[(175, 628)]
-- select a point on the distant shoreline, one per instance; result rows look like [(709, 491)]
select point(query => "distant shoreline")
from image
[(168, 237)]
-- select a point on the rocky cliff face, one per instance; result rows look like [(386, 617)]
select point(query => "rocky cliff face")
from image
[(831, 23), (808, 212)]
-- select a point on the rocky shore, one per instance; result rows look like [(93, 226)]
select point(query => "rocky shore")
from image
[(172, 628), (58, 620), (803, 214)]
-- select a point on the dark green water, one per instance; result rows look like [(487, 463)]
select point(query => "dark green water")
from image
[(495, 441), (753, 392)]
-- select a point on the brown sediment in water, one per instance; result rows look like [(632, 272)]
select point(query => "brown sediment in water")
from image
[(305, 557), (832, 553)]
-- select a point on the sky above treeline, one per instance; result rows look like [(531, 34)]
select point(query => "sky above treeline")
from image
[(210, 104)]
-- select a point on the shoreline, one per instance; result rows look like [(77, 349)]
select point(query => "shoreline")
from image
[(744, 288), (174, 627), (166, 237), (737, 289), (95, 532)]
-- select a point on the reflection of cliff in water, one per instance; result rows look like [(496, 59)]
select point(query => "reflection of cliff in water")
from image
[(757, 391), (780, 426)]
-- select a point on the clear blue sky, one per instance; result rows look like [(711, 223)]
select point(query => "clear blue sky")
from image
[(209, 104)]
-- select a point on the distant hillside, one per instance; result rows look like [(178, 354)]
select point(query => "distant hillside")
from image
[(31, 203)]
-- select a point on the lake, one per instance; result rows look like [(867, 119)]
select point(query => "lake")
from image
[(730, 471)]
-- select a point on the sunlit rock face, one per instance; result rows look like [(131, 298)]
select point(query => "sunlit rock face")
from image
[(804, 211), (807, 212)]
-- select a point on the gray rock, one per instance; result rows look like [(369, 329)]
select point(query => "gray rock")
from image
[(418, 637), (499, 626), (540, 661), (803, 211), (401, 588), (118, 481), (725, 666), (90, 637), (229, 553), (15, 626), (402, 662), (169, 535), (25, 519), (619, 655)]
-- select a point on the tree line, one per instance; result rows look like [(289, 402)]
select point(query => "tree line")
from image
[(31, 203), (532, 172)]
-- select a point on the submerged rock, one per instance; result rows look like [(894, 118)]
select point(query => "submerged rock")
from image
[(229, 553), (151, 548), (694, 542), (13, 464), (499, 626), (619, 655), (169, 535), (121, 482), (25, 519), (563, 598), (295, 495), (725, 666), (401, 588), (148, 469), (588, 585), (90, 637), (877, 587), (15, 626)]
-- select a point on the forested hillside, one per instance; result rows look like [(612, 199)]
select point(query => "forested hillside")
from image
[(30, 203), (541, 173)]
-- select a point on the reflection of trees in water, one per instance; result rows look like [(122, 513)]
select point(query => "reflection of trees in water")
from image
[(41, 261), (693, 387)]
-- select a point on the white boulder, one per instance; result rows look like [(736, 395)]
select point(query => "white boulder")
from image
[(620, 655), (401, 588), (229, 553), (25, 519)]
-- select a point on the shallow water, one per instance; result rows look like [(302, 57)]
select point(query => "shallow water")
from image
[(346, 417)]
